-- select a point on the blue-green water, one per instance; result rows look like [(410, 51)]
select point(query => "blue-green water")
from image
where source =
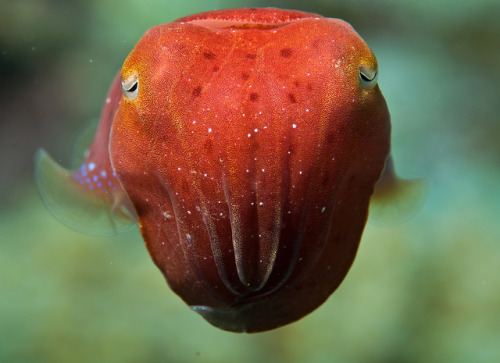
[(427, 290)]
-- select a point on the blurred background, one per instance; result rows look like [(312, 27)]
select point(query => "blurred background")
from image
[(426, 290)]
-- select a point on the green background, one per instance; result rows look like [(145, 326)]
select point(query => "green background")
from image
[(424, 291)]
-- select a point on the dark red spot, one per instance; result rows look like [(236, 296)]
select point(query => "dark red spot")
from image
[(291, 97), (296, 83), (330, 138), (286, 52), (254, 97), (215, 68), (325, 179), (251, 56), (309, 87), (351, 180), (185, 186), (208, 146), (209, 55), (197, 91), (245, 76), (316, 43)]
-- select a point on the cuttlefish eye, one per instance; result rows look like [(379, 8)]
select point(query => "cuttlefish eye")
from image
[(368, 77), (130, 87)]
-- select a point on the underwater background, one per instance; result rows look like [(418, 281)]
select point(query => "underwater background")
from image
[(425, 290)]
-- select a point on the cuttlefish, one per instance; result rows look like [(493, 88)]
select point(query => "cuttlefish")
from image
[(247, 145)]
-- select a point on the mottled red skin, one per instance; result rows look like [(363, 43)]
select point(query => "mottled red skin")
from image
[(250, 155)]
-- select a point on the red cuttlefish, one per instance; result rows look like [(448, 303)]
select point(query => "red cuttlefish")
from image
[(247, 145)]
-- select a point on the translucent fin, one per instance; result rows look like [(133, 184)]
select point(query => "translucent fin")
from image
[(94, 212), (396, 200), (83, 142)]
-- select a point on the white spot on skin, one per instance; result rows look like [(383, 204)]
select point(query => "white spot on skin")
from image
[(209, 129), (108, 100), (91, 166), (294, 126), (323, 210)]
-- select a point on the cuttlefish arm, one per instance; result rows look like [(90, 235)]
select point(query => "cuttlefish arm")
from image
[(89, 199)]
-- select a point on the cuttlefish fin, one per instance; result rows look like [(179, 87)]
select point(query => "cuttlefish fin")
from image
[(72, 203), (396, 200), (82, 143)]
